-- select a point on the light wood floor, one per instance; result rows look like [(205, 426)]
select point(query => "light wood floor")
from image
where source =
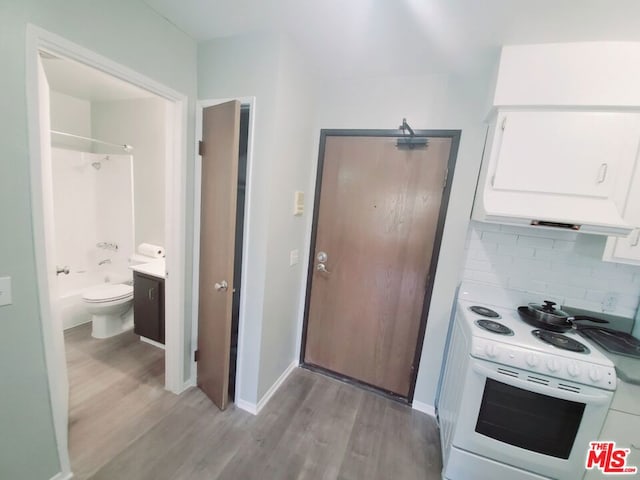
[(125, 426)]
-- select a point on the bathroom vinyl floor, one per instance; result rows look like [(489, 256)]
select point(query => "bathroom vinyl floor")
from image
[(116, 393), (314, 427)]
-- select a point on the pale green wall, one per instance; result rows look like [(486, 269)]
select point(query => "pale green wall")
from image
[(129, 33)]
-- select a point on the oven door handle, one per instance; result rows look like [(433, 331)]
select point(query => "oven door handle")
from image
[(598, 399)]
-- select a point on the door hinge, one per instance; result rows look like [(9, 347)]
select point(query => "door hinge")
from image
[(196, 356), (446, 176), (504, 123), (201, 148)]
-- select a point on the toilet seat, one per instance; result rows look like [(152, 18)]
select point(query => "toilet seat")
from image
[(108, 293)]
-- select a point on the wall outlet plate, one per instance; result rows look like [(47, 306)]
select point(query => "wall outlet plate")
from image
[(294, 257), (5, 291)]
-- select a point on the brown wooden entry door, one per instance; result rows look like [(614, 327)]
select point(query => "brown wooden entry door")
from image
[(220, 135), (376, 224)]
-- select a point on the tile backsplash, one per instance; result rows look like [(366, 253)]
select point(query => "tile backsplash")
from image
[(559, 265)]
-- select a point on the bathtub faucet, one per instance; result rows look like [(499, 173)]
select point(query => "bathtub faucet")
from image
[(108, 246), (106, 260)]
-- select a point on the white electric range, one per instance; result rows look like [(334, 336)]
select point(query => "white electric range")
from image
[(513, 406)]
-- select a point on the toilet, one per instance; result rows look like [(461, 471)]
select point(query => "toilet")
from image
[(109, 304)]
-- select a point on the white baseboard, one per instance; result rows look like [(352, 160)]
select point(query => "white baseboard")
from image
[(255, 409), (152, 342), (62, 476), (191, 382), (246, 406), (424, 408)]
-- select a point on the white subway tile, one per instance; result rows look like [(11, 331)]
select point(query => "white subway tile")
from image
[(488, 277), (595, 296), (521, 252), (481, 265), (550, 254), (500, 238), (584, 304), (527, 284), (482, 252), (536, 242), (570, 270), (566, 291), (485, 226), (564, 245), (532, 264)]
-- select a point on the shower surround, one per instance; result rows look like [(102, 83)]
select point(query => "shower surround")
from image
[(93, 213)]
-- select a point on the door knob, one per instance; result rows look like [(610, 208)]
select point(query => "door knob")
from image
[(322, 257), (222, 286)]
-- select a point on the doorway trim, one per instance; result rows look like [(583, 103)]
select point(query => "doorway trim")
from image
[(39, 39), (197, 190), (454, 135)]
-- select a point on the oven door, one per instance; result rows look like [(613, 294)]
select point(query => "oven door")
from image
[(511, 416)]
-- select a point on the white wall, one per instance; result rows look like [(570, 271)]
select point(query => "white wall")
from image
[(291, 170), (70, 115), (133, 35), (566, 267), (140, 123), (428, 102)]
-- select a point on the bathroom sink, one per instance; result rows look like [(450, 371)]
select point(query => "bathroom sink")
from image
[(155, 268)]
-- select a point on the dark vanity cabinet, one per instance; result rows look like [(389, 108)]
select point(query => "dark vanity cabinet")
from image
[(148, 306)]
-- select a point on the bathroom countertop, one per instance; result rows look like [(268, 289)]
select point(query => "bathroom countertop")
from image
[(155, 268)]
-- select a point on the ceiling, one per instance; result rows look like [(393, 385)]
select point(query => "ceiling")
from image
[(87, 83), (356, 37)]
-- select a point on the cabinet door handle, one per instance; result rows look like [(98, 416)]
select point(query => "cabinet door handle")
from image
[(637, 240), (150, 293), (602, 174)]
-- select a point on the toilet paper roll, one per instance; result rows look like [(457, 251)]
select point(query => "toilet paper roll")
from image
[(150, 250)]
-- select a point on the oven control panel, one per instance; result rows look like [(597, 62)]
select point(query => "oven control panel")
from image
[(583, 372)]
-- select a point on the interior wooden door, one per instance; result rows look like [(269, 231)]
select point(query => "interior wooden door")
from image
[(220, 135), (376, 226)]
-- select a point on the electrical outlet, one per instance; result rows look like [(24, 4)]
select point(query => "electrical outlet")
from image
[(5, 291), (609, 302)]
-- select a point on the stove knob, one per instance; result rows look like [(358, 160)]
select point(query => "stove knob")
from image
[(491, 350), (594, 375), (553, 365), (532, 360), (573, 370)]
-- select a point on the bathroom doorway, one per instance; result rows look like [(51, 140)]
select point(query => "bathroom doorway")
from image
[(83, 185)]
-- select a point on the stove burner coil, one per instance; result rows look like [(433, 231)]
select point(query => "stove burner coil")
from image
[(484, 311), (561, 341), (494, 327)]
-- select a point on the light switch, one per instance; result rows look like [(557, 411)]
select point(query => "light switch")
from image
[(5, 291), (298, 203), (294, 257)]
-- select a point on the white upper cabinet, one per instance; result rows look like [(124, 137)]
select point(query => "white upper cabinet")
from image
[(569, 153), (563, 140), (627, 249)]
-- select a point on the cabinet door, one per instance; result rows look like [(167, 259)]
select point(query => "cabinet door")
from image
[(627, 249), (569, 153), (622, 428), (148, 307)]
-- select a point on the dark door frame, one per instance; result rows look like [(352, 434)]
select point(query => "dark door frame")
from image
[(454, 135)]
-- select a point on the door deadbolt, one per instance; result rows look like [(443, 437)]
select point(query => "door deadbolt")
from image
[(322, 257)]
